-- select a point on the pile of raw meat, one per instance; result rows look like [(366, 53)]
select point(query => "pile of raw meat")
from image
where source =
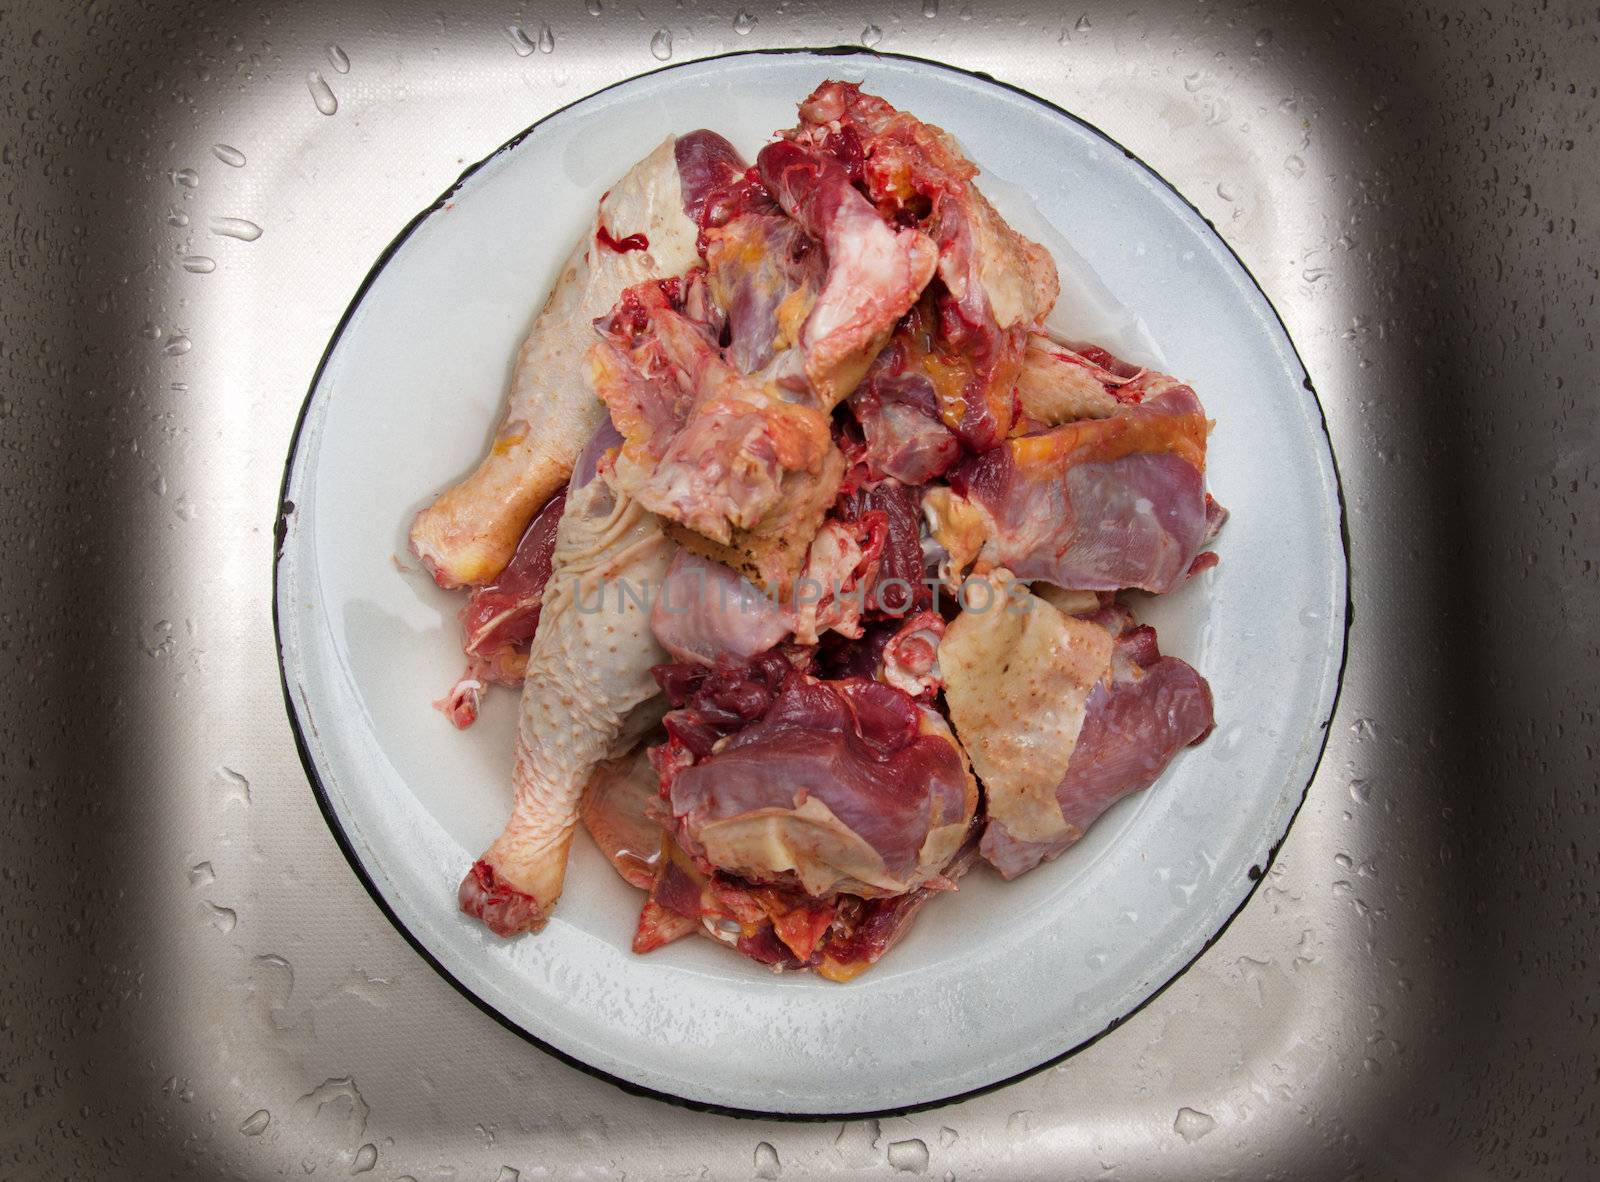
[(804, 539)]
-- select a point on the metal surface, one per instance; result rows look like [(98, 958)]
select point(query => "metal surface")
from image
[(195, 984)]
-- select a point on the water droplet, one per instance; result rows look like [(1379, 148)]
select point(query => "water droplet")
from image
[(1312, 274), (743, 22), (177, 345), (1229, 741), (201, 874), (335, 1110), (507, 1174), (184, 509), (1097, 959), (366, 1158), (1191, 1124), (237, 787), (1083, 25), (1372, 1067), (1294, 166), (1360, 790), (857, 1143), (338, 59), (1225, 191), (947, 1137), (240, 228), (592, 7), (767, 1164), (178, 1088), (157, 640), (871, 35), (256, 1123), (1193, 82), (520, 41), (321, 93), (661, 45), (1263, 38), (930, 8), (547, 39), (229, 155), (151, 330), (176, 217), (909, 1156), (199, 264), (224, 919), (188, 178), (1019, 1123)]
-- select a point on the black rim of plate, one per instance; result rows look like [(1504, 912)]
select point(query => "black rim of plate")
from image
[(1257, 872)]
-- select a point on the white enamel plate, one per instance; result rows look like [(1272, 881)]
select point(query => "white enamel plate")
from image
[(994, 980)]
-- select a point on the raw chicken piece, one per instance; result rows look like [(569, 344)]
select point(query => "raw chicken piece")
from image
[(1062, 717), (616, 812), (911, 656), (995, 284), (898, 587), (834, 786), (717, 186), (735, 445), (840, 567), (780, 927), (706, 446), (705, 609), (640, 231), (773, 553), (498, 621), (589, 667), (766, 273), (1062, 382), (900, 403), (874, 926), (1098, 504), (874, 274)]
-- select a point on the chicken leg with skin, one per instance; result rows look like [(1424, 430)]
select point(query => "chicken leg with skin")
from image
[(640, 231), (588, 668)]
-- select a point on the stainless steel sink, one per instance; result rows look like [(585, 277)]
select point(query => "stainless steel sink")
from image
[(196, 984)]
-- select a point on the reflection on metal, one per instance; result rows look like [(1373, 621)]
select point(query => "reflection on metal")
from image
[(197, 984)]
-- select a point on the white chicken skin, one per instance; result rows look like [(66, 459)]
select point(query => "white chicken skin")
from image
[(640, 231), (588, 668)]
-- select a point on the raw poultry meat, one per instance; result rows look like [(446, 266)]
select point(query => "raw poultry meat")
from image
[(705, 445), (640, 230), (1097, 504), (498, 620), (706, 609), (899, 404), (589, 666), (616, 812), (778, 777), (1062, 716), (875, 271), (839, 402), (994, 284)]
